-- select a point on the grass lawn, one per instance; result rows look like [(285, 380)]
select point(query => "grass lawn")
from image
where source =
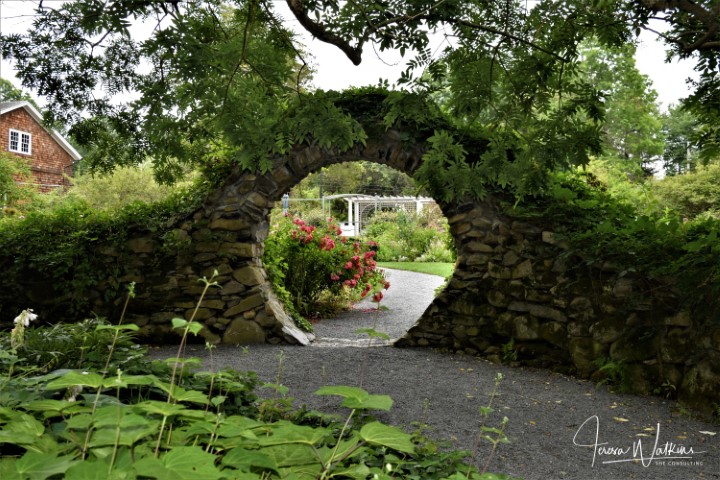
[(441, 269)]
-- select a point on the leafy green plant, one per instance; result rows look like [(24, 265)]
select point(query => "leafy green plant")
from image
[(612, 373), (53, 252), (509, 351), (304, 261), (402, 236), (168, 422)]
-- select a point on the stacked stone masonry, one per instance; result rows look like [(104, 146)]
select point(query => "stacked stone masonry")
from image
[(517, 294)]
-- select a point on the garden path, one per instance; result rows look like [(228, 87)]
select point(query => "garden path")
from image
[(548, 413)]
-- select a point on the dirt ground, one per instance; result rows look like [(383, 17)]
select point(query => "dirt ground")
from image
[(559, 427)]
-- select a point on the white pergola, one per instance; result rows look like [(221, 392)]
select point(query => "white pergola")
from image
[(361, 206)]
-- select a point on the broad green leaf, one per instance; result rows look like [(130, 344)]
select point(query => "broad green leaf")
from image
[(377, 433), (81, 421), (182, 395), (8, 470), (344, 448), (290, 433), (357, 398), (24, 424), (179, 323), (195, 327), (72, 379), (48, 406), (243, 460), (343, 391), (191, 463), (291, 455), (373, 333), (94, 470), (372, 402), (311, 471), (125, 436), (150, 466), (200, 428), (161, 408), (39, 466), (16, 438), (357, 471)]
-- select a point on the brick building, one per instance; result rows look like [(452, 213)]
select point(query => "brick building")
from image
[(50, 156)]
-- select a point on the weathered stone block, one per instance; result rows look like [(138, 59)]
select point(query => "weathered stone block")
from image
[(206, 247), (636, 345), (232, 224), (510, 258), (243, 250), (249, 276), (555, 333), (246, 304), (585, 353), (553, 238), (523, 270), (201, 314), (541, 311), (701, 384), (499, 272), (623, 288), (243, 332), (526, 328), (209, 336), (581, 308), (497, 298), (204, 257), (141, 245), (677, 346), (213, 304), (608, 330), (478, 247), (681, 319), (232, 287), (578, 329)]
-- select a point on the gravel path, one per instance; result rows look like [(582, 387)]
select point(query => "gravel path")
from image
[(546, 411)]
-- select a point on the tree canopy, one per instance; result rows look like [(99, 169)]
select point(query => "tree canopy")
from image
[(217, 83)]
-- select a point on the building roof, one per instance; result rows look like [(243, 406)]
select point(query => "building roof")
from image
[(6, 107)]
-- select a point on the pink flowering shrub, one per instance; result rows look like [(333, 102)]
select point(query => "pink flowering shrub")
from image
[(304, 261)]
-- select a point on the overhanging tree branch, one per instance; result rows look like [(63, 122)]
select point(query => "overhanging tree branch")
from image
[(320, 32)]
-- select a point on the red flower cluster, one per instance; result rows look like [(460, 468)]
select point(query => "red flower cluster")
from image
[(332, 261)]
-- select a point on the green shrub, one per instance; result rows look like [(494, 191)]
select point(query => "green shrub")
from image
[(53, 250), (409, 237), (304, 261), (167, 422), (601, 228), (691, 194), (78, 345), (122, 186), (15, 191)]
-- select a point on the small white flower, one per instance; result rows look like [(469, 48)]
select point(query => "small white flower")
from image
[(25, 317)]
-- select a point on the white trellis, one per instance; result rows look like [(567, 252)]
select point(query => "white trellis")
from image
[(361, 206)]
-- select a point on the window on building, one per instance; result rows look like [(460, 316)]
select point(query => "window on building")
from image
[(20, 142)]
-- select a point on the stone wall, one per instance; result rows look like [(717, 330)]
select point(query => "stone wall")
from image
[(517, 294)]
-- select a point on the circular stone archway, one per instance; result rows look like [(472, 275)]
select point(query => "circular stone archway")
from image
[(241, 209), (501, 287), (516, 293)]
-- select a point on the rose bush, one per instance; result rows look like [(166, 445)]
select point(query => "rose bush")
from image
[(306, 261)]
